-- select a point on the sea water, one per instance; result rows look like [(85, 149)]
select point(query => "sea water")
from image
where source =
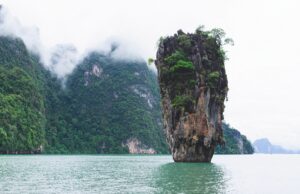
[(256, 173)]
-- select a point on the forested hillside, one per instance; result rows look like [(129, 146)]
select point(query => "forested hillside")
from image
[(22, 110), (108, 105), (105, 106)]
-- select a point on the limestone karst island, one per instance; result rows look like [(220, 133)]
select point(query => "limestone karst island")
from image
[(193, 86)]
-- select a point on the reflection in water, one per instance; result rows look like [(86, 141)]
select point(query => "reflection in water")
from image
[(190, 178)]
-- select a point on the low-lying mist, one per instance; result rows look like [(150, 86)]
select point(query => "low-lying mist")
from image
[(62, 58)]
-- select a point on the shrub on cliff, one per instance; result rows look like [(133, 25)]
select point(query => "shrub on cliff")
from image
[(182, 65), (182, 102), (213, 78)]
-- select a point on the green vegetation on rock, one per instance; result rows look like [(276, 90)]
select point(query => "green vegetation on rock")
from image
[(182, 102), (175, 57), (213, 78), (184, 41), (182, 65), (179, 62)]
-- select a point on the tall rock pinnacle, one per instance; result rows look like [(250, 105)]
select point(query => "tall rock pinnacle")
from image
[(193, 87)]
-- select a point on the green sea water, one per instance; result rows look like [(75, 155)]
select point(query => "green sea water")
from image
[(149, 174)]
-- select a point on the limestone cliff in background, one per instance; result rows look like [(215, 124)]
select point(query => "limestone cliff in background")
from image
[(235, 142), (193, 87)]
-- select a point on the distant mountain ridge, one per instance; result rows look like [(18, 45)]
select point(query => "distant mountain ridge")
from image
[(266, 147)]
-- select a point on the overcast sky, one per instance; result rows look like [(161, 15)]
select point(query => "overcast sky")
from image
[(263, 69)]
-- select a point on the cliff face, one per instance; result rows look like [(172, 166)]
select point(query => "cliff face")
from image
[(235, 142), (193, 86), (115, 104)]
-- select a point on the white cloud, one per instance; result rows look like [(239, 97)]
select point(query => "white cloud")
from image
[(10, 26)]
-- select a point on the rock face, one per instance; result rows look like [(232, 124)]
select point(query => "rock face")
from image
[(136, 147), (236, 143), (193, 87)]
